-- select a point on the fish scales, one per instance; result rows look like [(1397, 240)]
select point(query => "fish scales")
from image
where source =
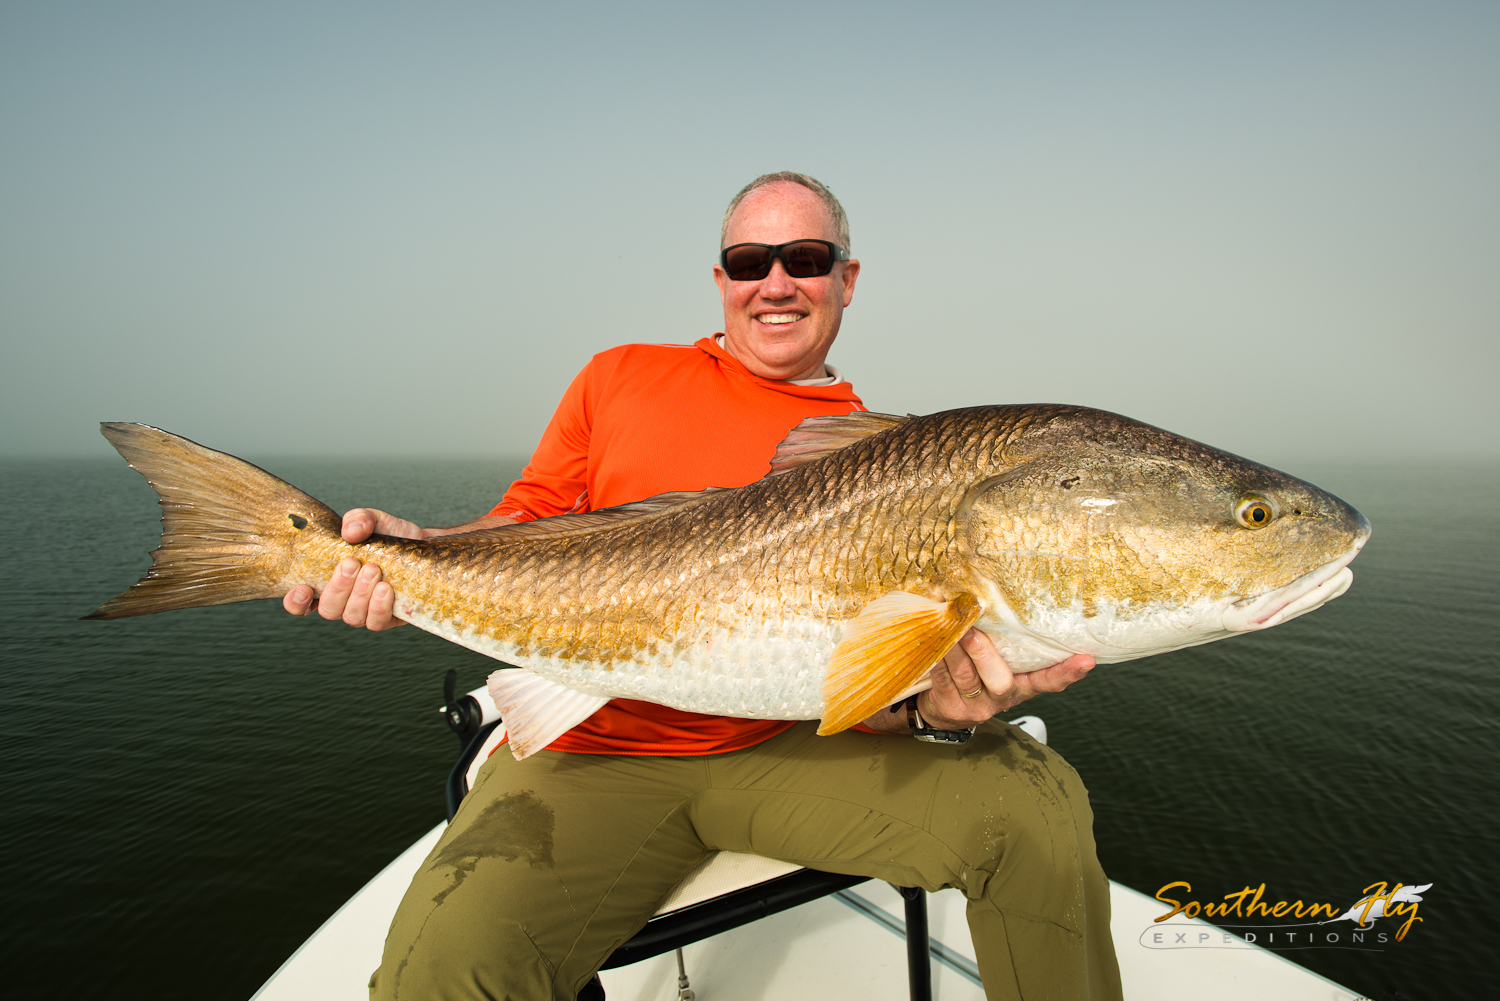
[(786, 521), (1055, 529), (795, 521)]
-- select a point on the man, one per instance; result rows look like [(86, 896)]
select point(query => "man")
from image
[(553, 862)]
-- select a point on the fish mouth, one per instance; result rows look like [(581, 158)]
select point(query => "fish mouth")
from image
[(1310, 591)]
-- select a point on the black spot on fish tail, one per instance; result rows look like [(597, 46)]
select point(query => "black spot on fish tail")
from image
[(515, 826), (298, 522)]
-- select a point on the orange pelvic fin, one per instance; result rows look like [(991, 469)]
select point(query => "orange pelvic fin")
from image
[(887, 648), (536, 710)]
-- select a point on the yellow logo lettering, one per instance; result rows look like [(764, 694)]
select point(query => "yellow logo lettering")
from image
[(1404, 909), (1176, 907), (1364, 917), (1239, 899), (1250, 908)]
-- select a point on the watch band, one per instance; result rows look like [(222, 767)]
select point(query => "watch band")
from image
[(921, 731)]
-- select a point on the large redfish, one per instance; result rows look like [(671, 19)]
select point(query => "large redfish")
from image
[(826, 590)]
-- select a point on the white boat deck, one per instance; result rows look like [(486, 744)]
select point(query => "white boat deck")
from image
[(833, 947)]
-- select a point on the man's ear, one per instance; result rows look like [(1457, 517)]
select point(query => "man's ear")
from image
[(720, 277), (851, 274)]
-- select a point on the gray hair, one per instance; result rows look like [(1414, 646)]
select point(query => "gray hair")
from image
[(835, 210)]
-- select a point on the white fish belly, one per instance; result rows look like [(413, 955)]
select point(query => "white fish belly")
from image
[(1119, 631), (768, 669), (1113, 633)]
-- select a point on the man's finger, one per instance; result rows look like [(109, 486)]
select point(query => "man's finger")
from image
[(298, 600), (362, 522), (1058, 676), (356, 610), (382, 608), (990, 667), (389, 524), (336, 594), (359, 524), (961, 669)]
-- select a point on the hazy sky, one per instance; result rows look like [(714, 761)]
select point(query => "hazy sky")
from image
[(350, 229)]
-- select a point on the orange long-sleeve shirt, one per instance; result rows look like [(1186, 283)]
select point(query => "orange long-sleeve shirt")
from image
[(645, 419)]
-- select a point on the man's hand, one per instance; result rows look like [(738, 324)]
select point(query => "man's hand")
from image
[(973, 683), (356, 593)]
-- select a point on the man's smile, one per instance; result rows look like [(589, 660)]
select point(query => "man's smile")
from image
[(779, 317)]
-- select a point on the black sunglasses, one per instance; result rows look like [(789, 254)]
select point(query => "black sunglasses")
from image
[(750, 262)]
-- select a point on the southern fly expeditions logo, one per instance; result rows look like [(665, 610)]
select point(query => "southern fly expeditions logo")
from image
[(1385, 914)]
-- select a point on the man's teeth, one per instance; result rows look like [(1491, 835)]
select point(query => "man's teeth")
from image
[(779, 318)]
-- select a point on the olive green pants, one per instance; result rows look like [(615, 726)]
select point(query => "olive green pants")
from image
[(555, 861)]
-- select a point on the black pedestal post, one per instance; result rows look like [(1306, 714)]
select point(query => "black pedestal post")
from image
[(918, 944)]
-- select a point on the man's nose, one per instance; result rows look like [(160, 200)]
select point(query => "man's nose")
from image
[(778, 284)]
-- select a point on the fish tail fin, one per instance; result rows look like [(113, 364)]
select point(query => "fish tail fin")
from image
[(228, 527)]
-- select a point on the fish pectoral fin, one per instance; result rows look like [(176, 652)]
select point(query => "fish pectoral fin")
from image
[(537, 710), (886, 650)]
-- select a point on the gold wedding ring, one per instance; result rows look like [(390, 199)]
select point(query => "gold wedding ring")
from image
[(974, 693)]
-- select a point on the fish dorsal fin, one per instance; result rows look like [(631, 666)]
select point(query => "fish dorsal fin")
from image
[(885, 652), (568, 524), (536, 710), (820, 436)]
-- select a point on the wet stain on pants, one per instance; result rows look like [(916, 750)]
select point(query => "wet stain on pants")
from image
[(515, 826)]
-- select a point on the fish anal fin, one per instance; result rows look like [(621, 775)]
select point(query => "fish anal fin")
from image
[(537, 710), (816, 437), (886, 650)]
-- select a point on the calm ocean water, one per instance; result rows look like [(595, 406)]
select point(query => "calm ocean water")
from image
[(187, 796)]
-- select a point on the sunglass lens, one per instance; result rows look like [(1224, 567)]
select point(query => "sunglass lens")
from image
[(747, 264), (807, 260)]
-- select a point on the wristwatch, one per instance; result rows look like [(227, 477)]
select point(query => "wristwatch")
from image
[(921, 731)]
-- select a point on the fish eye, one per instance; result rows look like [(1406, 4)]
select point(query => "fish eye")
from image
[(1254, 511)]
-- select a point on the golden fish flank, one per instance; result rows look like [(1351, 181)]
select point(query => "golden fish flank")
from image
[(827, 589)]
